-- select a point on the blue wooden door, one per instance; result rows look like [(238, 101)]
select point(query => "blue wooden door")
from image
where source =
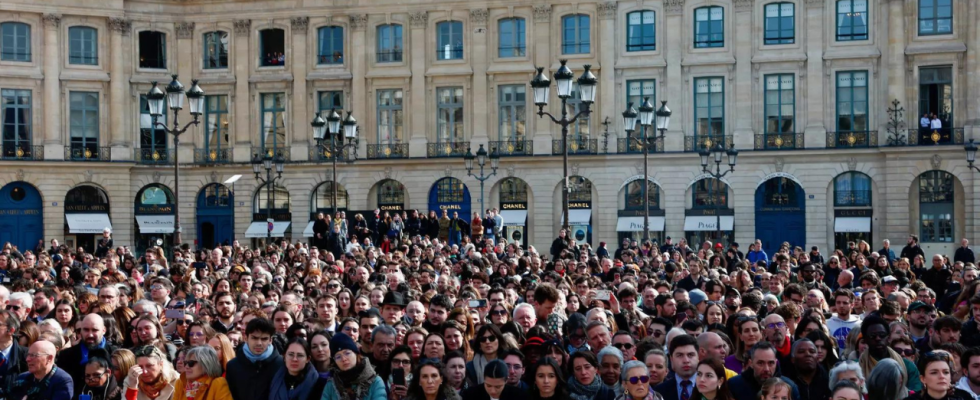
[(215, 216), (22, 221), (780, 214)]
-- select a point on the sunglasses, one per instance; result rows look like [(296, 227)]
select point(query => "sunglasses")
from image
[(190, 363), (624, 346), (905, 352), (488, 339), (639, 379), (498, 312)]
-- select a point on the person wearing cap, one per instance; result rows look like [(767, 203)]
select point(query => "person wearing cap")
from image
[(393, 307), (494, 385), (889, 284), (920, 316), (354, 377)]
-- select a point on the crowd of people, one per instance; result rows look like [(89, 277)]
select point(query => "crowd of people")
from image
[(433, 317)]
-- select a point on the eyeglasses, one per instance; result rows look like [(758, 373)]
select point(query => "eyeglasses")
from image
[(905, 352), (296, 356), (95, 376), (190, 363), (623, 346), (37, 355), (397, 362), (488, 339), (639, 379), (779, 325)]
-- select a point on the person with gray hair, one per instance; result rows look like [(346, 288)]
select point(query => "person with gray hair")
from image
[(21, 303), (848, 371), (610, 368), (635, 381), (382, 343), (887, 381), (147, 307), (202, 368)]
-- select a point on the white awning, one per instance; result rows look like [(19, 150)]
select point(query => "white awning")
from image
[(852, 224), (635, 224), (708, 223), (259, 229), (87, 223), (308, 231), (155, 223), (514, 217), (581, 216)]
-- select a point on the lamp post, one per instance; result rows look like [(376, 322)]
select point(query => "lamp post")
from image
[(481, 161), (266, 162), (542, 90), (646, 141), (971, 155), (327, 134), (718, 153), (175, 101)]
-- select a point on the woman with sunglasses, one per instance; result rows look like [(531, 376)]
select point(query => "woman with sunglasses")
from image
[(489, 346), (636, 382), (353, 377), (584, 382), (203, 377)]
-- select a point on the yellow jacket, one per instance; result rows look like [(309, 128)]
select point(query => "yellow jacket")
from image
[(217, 389)]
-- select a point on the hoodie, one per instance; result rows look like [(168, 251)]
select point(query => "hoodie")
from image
[(964, 384)]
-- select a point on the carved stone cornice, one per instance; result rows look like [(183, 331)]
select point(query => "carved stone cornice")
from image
[(542, 13), (479, 16), (358, 21), (418, 19), (674, 7), (121, 25), (743, 5), (243, 27), (52, 20), (607, 10), (299, 24), (814, 3), (185, 30)]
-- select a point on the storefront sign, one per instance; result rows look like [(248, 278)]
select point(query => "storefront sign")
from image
[(154, 209), (278, 216), (513, 206), (392, 207), (86, 208), (580, 205), (853, 213)]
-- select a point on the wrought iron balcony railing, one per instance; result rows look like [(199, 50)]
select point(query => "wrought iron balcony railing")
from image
[(932, 137), (778, 141), (697, 142), (87, 153), (21, 152), (635, 146), (154, 156), (852, 139), (212, 156), (454, 149), (279, 151), (387, 150), (506, 148), (581, 145)]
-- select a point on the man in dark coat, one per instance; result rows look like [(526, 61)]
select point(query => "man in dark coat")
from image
[(321, 229), (14, 355), (804, 370), (763, 365), (43, 380), (73, 359), (255, 363), (335, 242)]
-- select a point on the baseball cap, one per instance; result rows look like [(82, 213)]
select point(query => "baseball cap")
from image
[(918, 304), (890, 279)]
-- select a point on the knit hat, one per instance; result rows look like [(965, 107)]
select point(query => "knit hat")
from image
[(342, 342), (697, 296)]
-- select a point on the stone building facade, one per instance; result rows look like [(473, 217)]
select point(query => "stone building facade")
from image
[(803, 88)]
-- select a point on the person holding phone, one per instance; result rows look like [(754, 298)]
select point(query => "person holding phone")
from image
[(401, 372)]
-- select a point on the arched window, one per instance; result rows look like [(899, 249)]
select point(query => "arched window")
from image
[(710, 193), (278, 197), (634, 195), (450, 190), (780, 192), (852, 189), (323, 197), (936, 208), (391, 192), (575, 36), (641, 32), (272, 47), (216, 195), (513, 190), (83, 45), (511, 33), (581, 189), (155, 195), (86, 194)]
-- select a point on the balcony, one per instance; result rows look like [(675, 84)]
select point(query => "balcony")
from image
[(852, 139), (87, 153), (389, 56), (212, 156), (510, 148), (280, 151), (154, 156), (635, 146), (317, 153), (21, 152), (454, 149), (696, 143), (383, 151), (935, 137), (779, 141), (576, 146), (852, 198)]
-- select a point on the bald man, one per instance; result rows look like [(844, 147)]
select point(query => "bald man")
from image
[(42, 380), (710, 345), (93, 343)]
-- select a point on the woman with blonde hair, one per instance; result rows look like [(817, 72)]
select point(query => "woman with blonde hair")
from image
[(122, 361), (153, 377), (223, 347)]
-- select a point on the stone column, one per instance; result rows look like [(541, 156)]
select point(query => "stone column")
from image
[(743, 79), (118, 89), (302, 132), (676, 85), (415, 109), (607, 75), (540, 46), (184, 54), (481, 100), (815, 133), (358, 65), (242, 99), (972, 59), (53, 142)]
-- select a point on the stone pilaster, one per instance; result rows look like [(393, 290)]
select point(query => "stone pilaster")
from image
[(244, 109), (358, 64), (742, 79), (674, 10), (53, 141), (815, 133), (301, 135), (119, 28), (540, 50), (416, 110), (482, 126)]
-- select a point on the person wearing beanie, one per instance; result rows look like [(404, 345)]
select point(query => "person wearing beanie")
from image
[(353, 376), (698, 299), (494, 385)]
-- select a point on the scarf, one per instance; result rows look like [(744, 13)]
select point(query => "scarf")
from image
[(355, 383), (578, 391), (301, 386), (85, 350), (152, 390), (650, 396), (256, 357), (197, 389), (479, 362), (868, 363)]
